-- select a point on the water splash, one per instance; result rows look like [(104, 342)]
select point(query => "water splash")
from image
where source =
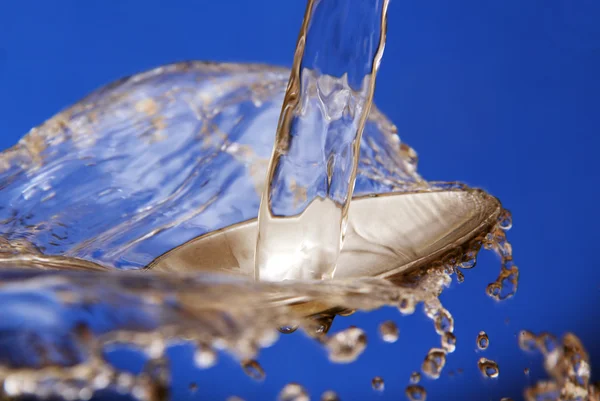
[(134, 278)]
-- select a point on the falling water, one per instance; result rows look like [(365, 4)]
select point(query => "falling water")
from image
[(304, 209)]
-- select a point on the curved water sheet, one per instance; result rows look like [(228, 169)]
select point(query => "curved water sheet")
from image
[(164, 157), (131, 217)]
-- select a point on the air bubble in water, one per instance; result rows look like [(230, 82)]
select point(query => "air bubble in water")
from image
[(377, 383), (193, 387), (293, 392), (388, 331), (253, 369), (415, 377), (488, 368), (347, 345), (416, 393), (483, 340)]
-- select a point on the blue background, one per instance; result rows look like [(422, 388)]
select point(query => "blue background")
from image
[(503, 95)]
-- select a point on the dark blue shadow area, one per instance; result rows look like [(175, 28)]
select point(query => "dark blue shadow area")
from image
[(500, 95)]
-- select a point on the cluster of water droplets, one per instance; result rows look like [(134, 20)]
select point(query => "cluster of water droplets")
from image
[(567, 362)]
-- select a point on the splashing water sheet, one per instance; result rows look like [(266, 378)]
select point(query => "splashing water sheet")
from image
[(221, 205)]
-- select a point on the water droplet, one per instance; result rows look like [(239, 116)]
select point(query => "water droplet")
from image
[(505, 285), (330, 396), (156, 349), (483, 340), (287, 329), (293, 392), (320, 325), (253, 369), (449, 342), (205, 357), (409, 154), (488, 368), (434, 363), (388, 331), (158, 371), (505, 220), (125, 382), (415, 377), (347, 345), (416, 393), (527, 341), (444, 322), (85, 394), (407, 306), (469, 260), (377, 383), (547, 343)]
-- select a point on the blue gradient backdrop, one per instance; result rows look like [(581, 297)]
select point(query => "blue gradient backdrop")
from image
[(503, 95)]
